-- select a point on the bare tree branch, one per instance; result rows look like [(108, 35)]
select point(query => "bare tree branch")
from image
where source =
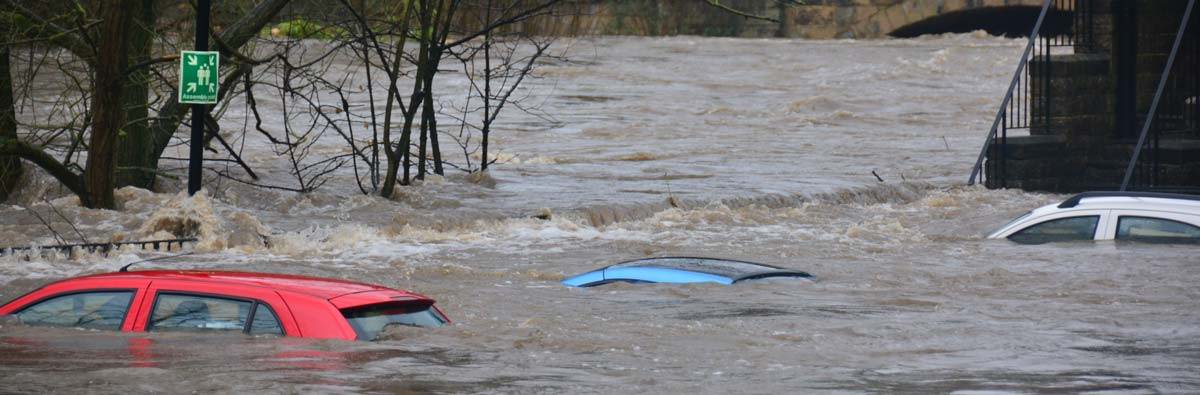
[(493, 25), (70, 39), (731, 10), (39, 157)]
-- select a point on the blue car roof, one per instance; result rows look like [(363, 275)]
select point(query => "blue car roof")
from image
[(681, 270)]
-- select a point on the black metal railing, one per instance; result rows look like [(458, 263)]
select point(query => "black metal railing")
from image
[(1083, 22), (1174, 113), (1028, 103), (158, 245)]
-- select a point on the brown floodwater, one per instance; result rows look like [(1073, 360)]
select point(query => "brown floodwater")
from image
[(750, 149)]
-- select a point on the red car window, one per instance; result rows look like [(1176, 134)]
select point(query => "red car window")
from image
[(180, 312), (370, 321), (265, 322), (205, 306)]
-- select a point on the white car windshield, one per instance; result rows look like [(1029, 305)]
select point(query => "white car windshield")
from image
[(1015, 220)]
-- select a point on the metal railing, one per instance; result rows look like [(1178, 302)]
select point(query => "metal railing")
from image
[(158, 245), (1028, 103), (1175, 110)]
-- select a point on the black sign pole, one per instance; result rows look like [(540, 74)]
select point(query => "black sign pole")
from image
[(196, 160)]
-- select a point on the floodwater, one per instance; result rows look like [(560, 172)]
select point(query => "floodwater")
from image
[(751, 149)]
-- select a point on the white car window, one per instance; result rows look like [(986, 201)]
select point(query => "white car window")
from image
[(1156, 230), (1062, 229)]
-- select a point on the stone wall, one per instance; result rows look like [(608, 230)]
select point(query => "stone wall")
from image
[(818, 19)]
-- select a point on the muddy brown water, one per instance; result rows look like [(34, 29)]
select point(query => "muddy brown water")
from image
[(748, 149)]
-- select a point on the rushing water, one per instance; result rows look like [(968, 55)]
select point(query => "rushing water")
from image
[(751, 149)]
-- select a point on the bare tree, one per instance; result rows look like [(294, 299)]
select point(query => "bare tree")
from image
[(431, 24), (507, 60)]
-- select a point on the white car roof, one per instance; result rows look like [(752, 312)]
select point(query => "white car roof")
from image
[(1143, 201), (1187, 204)]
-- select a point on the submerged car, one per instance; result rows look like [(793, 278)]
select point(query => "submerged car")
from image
[(681, 270), (220, 301), (1132, 216)]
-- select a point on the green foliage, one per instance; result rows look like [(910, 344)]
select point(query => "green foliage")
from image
[(304, 29), (16, 27)]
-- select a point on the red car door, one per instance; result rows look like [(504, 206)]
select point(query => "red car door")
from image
[(167, 291), (83, 286)]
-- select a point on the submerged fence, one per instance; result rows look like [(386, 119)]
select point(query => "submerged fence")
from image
[(158, 245)]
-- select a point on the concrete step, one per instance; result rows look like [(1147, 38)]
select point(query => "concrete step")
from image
[(1070, 65), (1074, 85), (1073, 104), (1177, 151), (1027, 147), (1073, 125)]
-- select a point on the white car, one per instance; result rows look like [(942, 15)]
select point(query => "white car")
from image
[(1134, 216)]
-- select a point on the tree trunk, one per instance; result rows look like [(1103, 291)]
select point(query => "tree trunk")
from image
[(431, 117), (108, 92), (785, 20), (133, 152), (10, 166), (418, 83), (424, 139), (446, 10), (391, 153), (433, 143), (487, 89)]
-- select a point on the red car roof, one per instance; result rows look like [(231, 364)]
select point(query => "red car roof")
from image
[(324, 288)]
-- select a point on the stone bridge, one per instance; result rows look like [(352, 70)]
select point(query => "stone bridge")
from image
[(817, 19), (908, 18)]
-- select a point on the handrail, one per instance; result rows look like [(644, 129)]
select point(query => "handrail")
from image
[(1162, 83), (1037, 28)]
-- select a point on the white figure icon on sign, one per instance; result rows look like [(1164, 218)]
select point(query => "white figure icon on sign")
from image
[(202, 76)]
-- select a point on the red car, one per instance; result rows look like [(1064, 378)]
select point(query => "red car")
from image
[(253, 303)]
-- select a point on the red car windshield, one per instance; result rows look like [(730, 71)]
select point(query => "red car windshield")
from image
[(368, 322)]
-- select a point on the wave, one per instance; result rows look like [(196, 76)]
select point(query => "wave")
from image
[(866, 218)]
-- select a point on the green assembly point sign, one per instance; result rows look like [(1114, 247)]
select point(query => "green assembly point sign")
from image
[(198, 77)]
